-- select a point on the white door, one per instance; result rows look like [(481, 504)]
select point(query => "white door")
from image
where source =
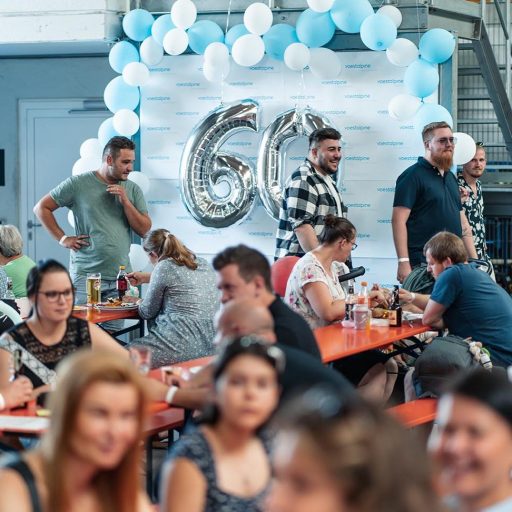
[(51, 132)]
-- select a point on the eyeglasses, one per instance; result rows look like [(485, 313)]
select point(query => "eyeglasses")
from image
[(53, 295), (354, 245), (480, 144), (445, 140)]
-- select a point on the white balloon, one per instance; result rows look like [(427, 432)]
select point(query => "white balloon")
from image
[(324, 63), (402, 52), (136, 74), (248, 50), (175, 41), (126, 122), (258, 18), (86, 164), (465, 148), (391, 12), (216, 54), (216, 73), (297, 56), (91, 148), (320, 5), (151, 53), (141, 180), (403, 106), (183, 14), (71, 219), (138, 257)]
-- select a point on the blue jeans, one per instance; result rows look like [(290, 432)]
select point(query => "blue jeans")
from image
[(108, 289)]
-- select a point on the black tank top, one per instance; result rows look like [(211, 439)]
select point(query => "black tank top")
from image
[(21, 467)]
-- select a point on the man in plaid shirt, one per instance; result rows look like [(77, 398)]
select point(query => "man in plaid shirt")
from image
[(310, 194)]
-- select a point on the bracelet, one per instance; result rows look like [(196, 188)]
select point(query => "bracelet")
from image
[(413, 297), (169, 397), (402, 260), (62, 238), (2, 402)]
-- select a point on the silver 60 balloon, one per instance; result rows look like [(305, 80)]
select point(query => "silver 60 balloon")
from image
[(204, 168), (271, 158)]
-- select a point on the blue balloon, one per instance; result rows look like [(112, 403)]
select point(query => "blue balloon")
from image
[(137, 24), (278, 38), (234, 33), (349, 14), (378, 32), (431, 113), (315, 29), (437, 45), (160, 27), (106, 131), (122, 53), (421, 78), (118, 94), (202, 33)]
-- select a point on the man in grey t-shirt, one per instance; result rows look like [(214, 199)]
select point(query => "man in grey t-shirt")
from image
[(106, 207)]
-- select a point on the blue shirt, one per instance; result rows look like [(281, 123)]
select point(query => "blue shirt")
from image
[(434, 201), (476, 306)]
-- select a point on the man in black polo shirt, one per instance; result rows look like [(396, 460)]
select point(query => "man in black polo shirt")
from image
[(244, 273), (427, 200)]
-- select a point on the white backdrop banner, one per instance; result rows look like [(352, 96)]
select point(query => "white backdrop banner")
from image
[(377, 148)]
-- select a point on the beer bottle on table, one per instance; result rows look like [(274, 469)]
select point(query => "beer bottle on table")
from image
[(349, 302), (122, 282), (395, 310)]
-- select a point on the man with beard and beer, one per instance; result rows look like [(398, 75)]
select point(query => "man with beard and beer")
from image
[(310, 194), (106, 207), (427, 200)]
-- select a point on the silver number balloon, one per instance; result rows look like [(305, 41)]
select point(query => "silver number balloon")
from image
[(204, 169), (276, 138)]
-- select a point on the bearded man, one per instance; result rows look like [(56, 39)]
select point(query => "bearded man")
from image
[(310, 194), (427, 200)]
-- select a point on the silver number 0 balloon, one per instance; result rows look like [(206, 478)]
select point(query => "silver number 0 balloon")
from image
[(276, 138), (204, 168)]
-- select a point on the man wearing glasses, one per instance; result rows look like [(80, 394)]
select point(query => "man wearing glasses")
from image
[(427, 200), (473, 202)]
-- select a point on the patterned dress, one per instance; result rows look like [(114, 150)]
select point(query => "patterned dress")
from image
[(39, 360), (474, 210), (195, 448), (309, 270), (179, 305)]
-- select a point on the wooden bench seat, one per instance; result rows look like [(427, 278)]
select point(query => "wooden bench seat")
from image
[(414, 413)]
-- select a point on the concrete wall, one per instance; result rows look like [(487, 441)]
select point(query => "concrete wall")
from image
[(83, 77)]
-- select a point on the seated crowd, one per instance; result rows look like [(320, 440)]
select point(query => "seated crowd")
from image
[(274, 428)]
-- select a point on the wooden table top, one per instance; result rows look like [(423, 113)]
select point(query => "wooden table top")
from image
[(97, 316), (336, 341)]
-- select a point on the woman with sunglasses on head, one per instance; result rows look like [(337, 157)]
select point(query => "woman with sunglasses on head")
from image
[(335, 456), (50, 333), (224, 464), (315, 292), (180, 302), (89, 458), (473, 444)]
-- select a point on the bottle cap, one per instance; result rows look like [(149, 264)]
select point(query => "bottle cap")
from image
[(121, 267), (364, 283)]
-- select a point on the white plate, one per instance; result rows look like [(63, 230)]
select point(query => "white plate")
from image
[(126, 306)]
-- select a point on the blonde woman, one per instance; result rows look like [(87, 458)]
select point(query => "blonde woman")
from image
[(89, 458), (180, 301)]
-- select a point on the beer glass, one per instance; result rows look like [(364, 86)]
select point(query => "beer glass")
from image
[(93, 288), (141, 358)]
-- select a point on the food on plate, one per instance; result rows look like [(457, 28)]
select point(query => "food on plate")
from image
[(379, 313), (113, 302)]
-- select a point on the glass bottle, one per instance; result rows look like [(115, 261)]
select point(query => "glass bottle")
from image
[(395, 310), (122, 282), (9, 294), (350, 301)]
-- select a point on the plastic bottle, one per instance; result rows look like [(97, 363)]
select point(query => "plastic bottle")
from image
[(122, 284), (363, 301)]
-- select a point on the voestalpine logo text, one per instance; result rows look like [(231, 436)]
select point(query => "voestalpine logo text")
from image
[(391, 81), (358, 158), (385, 189), (357, 128), (390, 143), (383, 221), (357, 96), (187, 84), (358, 66), (359, 205)]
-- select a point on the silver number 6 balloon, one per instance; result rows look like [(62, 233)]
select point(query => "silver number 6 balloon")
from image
[(276, 138), (204, 168)]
